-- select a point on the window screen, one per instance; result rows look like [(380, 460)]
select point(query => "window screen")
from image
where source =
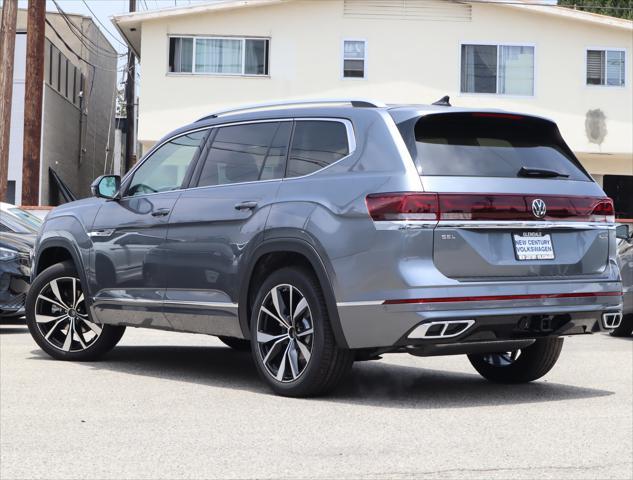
[(246, 153), (605, 67), (502, 69), (315, 145)]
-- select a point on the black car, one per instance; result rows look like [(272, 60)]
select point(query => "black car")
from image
[(15, 271)]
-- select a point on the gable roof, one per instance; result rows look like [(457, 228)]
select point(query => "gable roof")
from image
[(129, 25)]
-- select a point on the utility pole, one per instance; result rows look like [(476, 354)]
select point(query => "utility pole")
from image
[(35, 26), (7, 52), (130, 98)]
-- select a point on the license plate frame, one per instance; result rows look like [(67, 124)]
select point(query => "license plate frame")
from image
[(525, 249)]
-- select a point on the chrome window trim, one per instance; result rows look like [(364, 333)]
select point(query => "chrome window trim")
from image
[(351, 144), (149, 155), (494, 224)]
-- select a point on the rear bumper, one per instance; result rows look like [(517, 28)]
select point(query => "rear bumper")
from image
[(374, 324)]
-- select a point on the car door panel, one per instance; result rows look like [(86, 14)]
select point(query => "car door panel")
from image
[(212, 227)]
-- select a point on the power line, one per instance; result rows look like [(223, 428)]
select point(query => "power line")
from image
[(92, 46), (94, 15), (530, 4)]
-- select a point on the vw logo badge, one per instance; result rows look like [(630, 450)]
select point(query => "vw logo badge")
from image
[(538, 208)]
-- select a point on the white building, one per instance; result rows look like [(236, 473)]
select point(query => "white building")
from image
[(572, 66)]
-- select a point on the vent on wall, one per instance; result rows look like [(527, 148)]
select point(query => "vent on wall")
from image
[(430, 10)]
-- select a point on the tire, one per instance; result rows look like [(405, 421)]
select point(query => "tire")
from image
[(238, 344), (312, 362), (530, 364), (47, 317), (626, 327)]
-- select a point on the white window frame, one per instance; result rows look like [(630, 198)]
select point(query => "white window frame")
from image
[(343, 58), (606, 49), (496, 94), (218, 37)]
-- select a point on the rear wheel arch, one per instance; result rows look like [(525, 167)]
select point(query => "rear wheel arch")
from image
[(273, 255)]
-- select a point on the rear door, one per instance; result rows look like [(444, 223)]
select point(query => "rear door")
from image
[(217, 221), (513, 200)]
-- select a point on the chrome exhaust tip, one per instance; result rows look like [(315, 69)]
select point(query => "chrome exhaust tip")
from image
[(611, 320), (441, 329)]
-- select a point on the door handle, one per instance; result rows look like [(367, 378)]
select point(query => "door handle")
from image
[(245, 205), (161, 212)]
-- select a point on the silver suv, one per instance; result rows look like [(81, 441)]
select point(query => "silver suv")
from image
[(320, 233)]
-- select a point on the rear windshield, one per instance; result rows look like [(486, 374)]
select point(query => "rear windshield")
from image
[(490, 145)]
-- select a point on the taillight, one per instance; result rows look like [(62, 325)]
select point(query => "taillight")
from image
[(483, 207), (402, 206)]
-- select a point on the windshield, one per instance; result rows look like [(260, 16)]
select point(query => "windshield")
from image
[(492, 145), (25, 216)]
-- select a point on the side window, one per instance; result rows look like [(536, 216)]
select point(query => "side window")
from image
[(315, 145), (166, 168), (246, 153)]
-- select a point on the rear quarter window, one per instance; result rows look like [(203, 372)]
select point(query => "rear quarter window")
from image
[(488, 145)]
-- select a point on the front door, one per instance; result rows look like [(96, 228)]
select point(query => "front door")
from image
[(217, 221), (128, 234)]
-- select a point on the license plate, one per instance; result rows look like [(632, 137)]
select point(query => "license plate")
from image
[(533, 246)]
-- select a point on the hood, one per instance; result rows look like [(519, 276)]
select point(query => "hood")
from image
[(22, 242)]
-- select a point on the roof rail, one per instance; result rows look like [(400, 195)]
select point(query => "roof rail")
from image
[(354, 102)]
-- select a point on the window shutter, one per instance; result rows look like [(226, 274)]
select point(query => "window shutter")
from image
[(595, 67)]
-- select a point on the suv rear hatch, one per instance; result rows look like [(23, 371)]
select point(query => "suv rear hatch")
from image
[(511, 198)]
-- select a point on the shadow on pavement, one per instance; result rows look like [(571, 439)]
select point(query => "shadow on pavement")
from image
[(370, 383), (13, 325)]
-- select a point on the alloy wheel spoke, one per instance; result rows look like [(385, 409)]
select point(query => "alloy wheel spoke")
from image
[(282, 322), (78, 335), (277, 302), (54, 327), (265, 337), (41, 318), (274, 350), (293, 358), (282, 366), (79, 300), (54, 302), (92, 326), (304, 350), (74, 300), (309, 331), (292, 319), (57, 293), (301, 307), (69, 336)]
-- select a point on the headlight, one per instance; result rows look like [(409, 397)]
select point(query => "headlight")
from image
[(7, 254)]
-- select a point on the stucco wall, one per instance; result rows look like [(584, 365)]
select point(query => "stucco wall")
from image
[(412, 61)]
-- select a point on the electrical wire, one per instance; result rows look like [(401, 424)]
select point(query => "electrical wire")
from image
[(94, 15), (83, 38)]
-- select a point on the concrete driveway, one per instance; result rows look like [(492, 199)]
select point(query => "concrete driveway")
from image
[(168, 405)]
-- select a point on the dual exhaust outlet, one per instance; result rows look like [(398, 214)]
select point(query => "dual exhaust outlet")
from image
[(454, 328), (611, 320), (441, 329)]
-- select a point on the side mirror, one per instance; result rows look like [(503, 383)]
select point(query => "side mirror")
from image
[(622, 232), (106, 186)]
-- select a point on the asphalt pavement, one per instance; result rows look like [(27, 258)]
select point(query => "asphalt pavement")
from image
[(172, 405)]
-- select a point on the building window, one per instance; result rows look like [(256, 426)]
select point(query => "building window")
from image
[(605, 67), (354, 57), (497, 69), (218, 56)]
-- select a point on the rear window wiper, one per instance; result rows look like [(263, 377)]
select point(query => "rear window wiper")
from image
[(540, 173)]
